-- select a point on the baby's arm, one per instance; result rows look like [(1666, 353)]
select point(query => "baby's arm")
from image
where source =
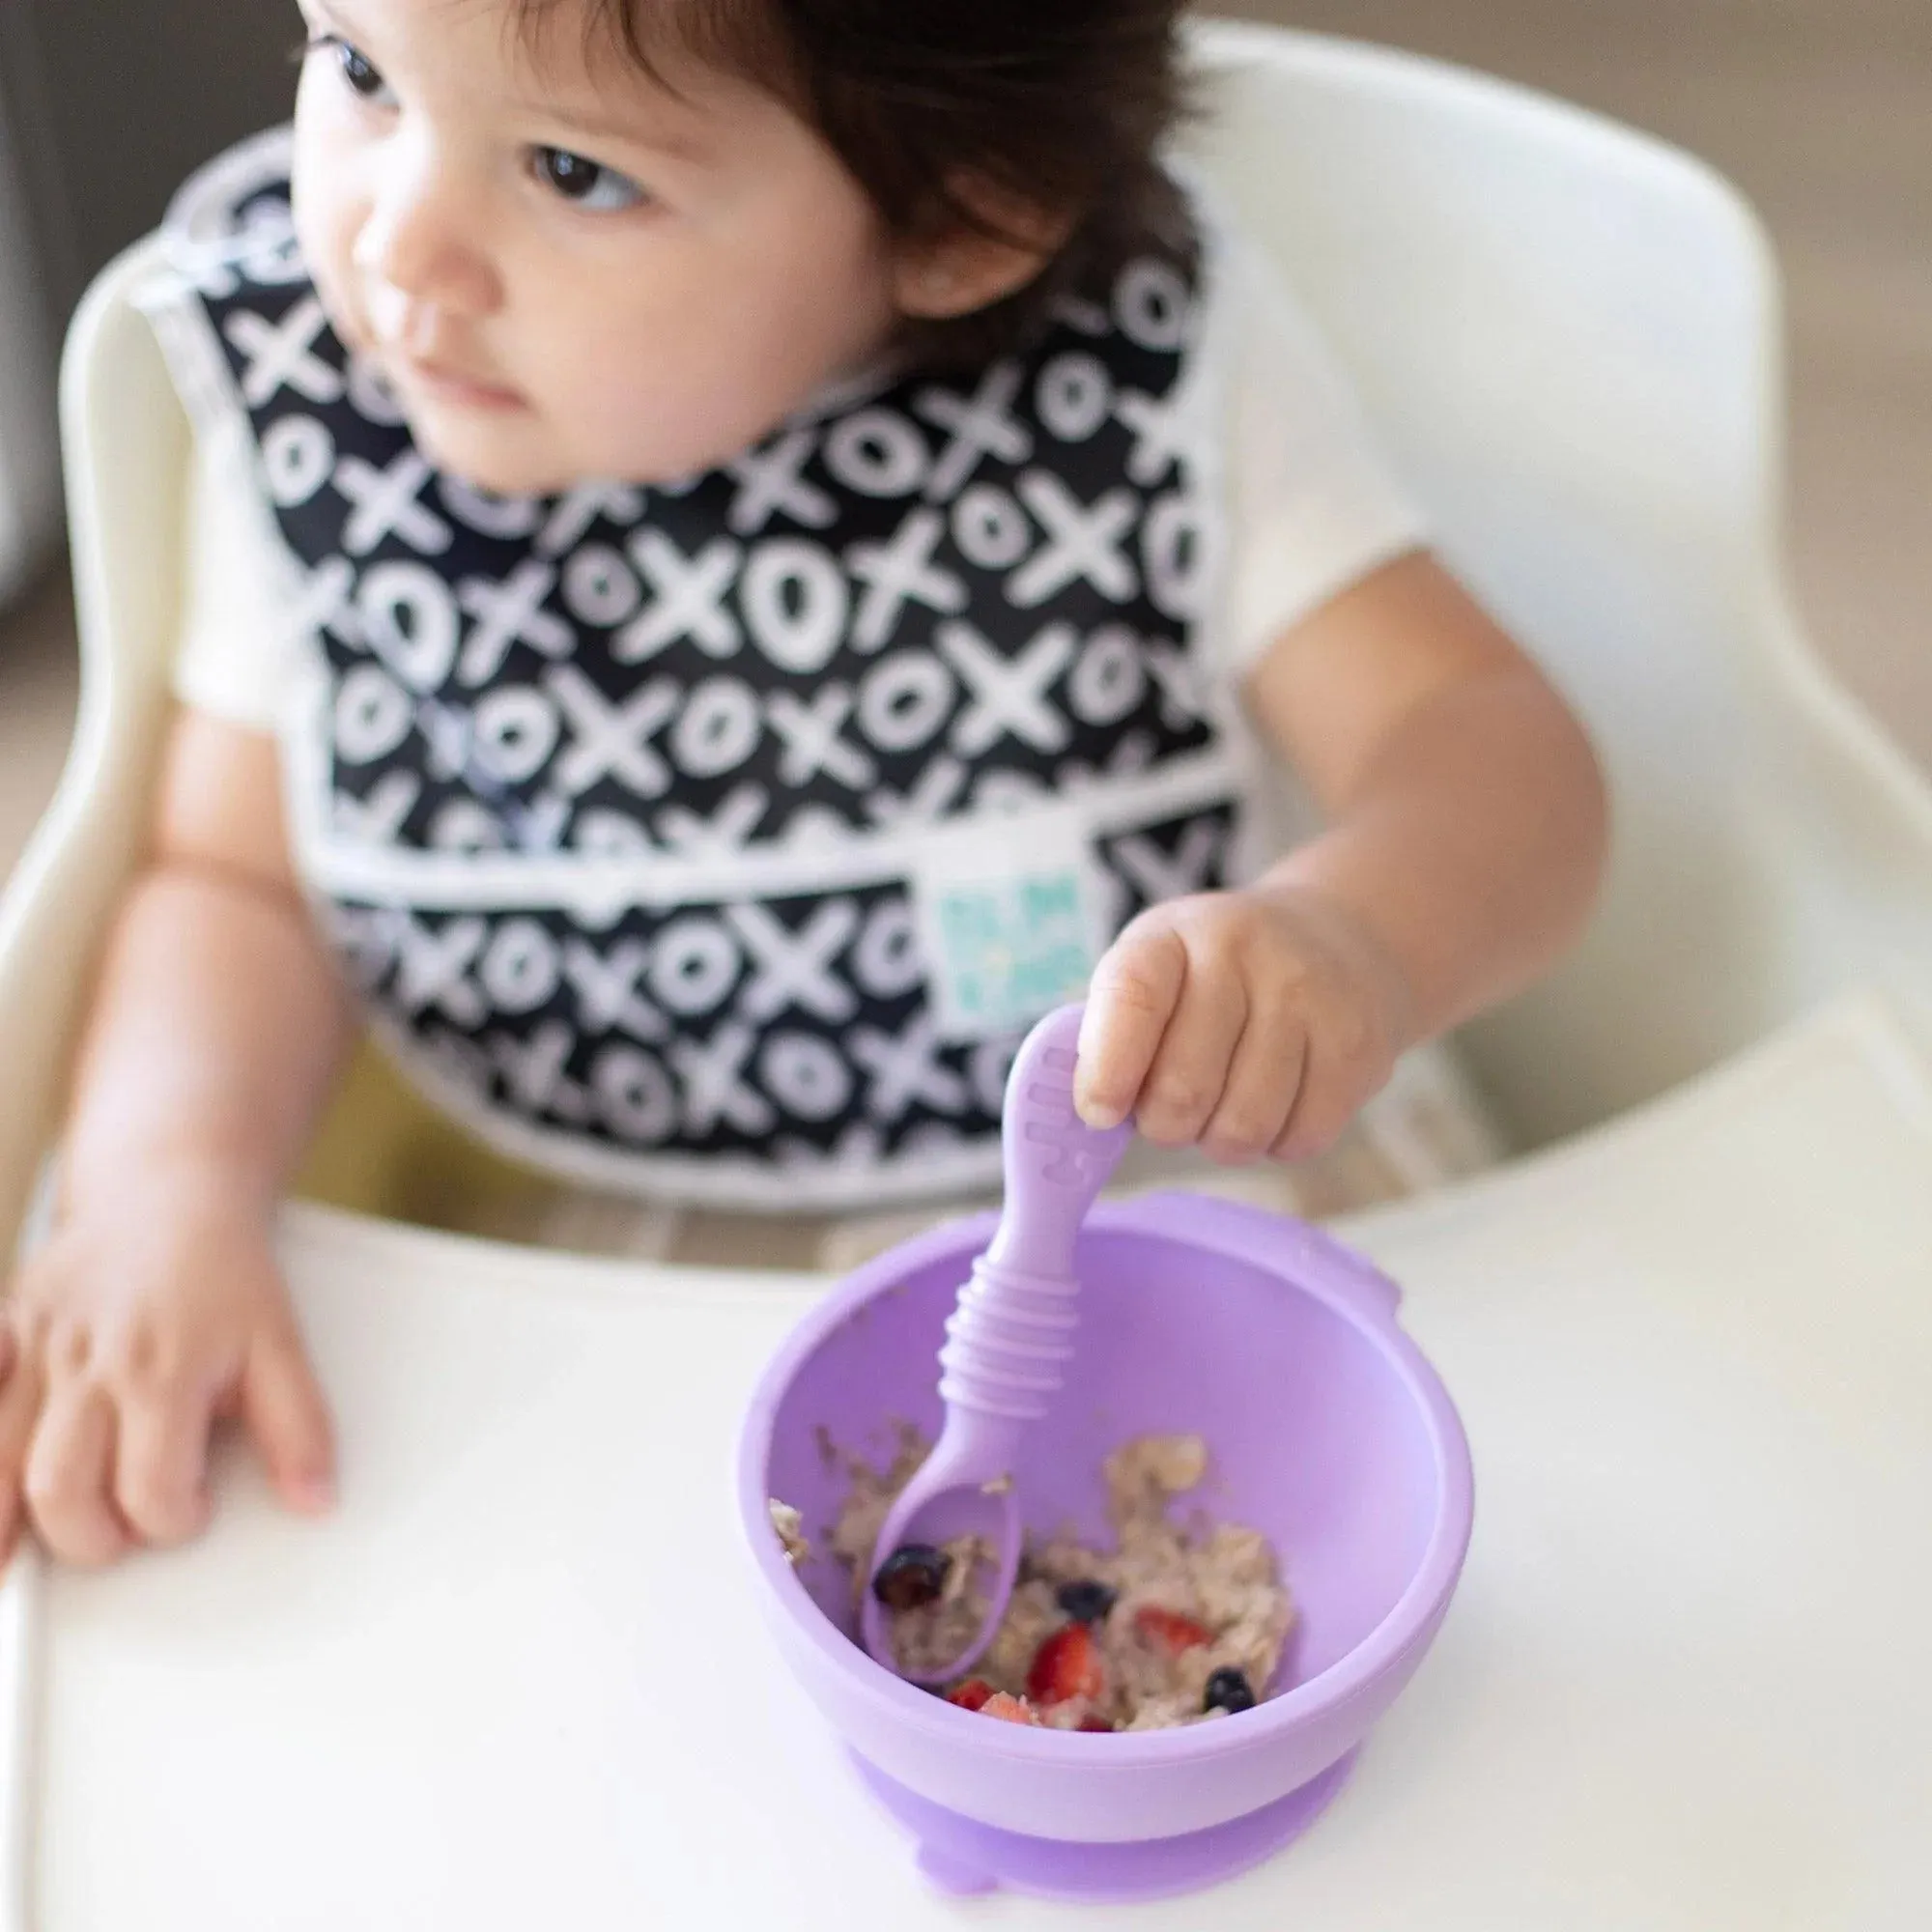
[(1462, 854), (154, 1306)]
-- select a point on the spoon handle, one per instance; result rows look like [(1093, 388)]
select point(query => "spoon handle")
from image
[(1011, 1332)]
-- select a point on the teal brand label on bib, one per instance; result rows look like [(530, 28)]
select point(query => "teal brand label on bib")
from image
[(1009, 934), (1013, 953)]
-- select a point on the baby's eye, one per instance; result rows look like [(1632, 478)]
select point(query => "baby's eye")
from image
[(586, 184), (364, 77)]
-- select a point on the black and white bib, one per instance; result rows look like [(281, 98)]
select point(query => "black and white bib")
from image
[(721, 840)]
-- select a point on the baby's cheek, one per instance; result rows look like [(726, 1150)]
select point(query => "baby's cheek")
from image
[(326, 247), (654, 419), (524, 461)]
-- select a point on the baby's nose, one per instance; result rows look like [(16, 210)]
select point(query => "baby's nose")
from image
[(421, 241)]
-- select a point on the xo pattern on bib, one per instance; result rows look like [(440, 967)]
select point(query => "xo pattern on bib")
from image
[(795, 1030), (944, 601)]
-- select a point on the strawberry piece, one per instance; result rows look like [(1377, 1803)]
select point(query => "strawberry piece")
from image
[(1066, 1666), (1169, 1629), (1096, 1724), (973, 1694), (1008, 1710)]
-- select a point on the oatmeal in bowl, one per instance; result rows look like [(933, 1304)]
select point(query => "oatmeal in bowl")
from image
[(1175, 1621)]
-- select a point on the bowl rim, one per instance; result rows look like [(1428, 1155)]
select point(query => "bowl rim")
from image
[(1338, 1276)]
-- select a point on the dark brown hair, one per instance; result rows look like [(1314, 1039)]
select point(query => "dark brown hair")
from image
[(945, 110)]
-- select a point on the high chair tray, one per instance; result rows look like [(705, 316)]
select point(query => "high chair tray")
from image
[(519, 1683)]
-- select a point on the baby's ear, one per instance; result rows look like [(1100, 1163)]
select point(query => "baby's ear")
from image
[(980, 260)]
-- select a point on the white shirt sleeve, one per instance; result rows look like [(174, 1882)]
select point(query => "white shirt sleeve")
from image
[(236, 648), (1312, 506)]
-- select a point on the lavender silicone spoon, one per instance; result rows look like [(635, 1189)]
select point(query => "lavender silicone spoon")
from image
[(1010, 1336)]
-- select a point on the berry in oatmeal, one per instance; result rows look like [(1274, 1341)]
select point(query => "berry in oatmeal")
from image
[(1169, 1631), (1008, 1710), (1067, 1667), (1228, 1690), (912, 1576), (1086, 1602)]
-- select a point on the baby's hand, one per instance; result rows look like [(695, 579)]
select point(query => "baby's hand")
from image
[(137, 1327), (1255, 1023)]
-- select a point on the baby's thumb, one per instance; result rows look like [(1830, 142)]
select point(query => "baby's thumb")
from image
[(284, 1411)]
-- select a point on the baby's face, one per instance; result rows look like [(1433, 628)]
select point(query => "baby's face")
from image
[(566, 271)]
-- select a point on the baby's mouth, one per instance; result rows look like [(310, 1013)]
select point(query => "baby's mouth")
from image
[(443, 383)]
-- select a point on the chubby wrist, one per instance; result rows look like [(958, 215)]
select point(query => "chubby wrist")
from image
[(182, 1176)]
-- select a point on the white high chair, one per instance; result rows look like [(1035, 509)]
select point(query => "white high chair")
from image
[(1690, 1344)]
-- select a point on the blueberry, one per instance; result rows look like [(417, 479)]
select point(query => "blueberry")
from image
[(1086, 1603), (1229, 1690), (912, 1576)]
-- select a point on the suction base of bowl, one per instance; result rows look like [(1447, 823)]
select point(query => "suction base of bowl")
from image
[(962, 1857)]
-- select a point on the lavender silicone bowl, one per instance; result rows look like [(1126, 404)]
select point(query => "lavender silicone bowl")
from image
[(1328, 1432)]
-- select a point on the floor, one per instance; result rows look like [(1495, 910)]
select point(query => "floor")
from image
[(1817, 107)]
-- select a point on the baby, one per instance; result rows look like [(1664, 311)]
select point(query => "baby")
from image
[(743, 549)]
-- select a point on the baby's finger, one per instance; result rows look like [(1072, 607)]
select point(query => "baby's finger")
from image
[(161, 1474), (284, 1411), (19, 1412), (1263, 1078), (1189, 1074), (1333, 1090), (1135, 990), (69, 1470)]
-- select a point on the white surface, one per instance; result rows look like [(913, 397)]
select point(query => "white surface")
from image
[(1687, 1683)]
